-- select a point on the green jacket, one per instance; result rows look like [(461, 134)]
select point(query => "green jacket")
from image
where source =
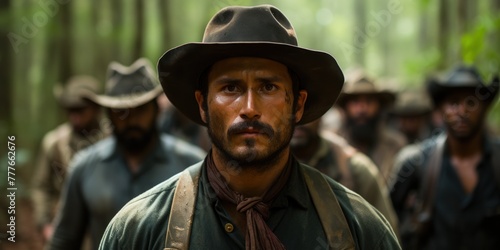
[(143, 222)]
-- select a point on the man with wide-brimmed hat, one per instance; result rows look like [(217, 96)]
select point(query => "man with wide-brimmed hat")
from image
[(447, 190), (108, 174), (364, 105), (83, 128), (249, 83)]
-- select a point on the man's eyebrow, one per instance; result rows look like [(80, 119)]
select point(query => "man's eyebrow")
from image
[(270, 79), (261, 79), (227, 80)]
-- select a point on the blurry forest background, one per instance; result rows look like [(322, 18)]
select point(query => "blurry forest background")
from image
[(44, 42)]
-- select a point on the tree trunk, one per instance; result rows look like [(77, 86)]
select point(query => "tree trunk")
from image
[(138, 43), (495, 9), (423, 34), (6, 49), (117, 24), (443, 33), (66, 63), (360, 41), (164, 11)]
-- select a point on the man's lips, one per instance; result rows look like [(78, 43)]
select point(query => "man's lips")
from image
[(250, 131)]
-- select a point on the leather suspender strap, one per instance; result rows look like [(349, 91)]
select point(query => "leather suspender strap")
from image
[(329, 211), (326, 204), (430, 179), (495, 160), (182, 211)]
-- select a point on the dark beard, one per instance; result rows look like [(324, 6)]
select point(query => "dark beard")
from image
[(135, 144), (251, 160), (363, 133)]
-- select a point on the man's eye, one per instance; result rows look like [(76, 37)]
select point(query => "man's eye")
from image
[(269, 87), (230, 88)]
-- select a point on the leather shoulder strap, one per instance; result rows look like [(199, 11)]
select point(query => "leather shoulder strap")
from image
[(496, 162), (182, 211), (430, 178), (330, 213)]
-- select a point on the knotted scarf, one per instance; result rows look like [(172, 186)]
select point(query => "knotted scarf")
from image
[(258, 234)]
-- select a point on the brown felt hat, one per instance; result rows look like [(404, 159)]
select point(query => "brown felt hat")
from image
[(260, 31), (412, 102), (462, 77), (358, 83), (76, 92), (129, 87)]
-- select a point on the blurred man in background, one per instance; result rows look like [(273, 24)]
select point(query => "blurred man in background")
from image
[(332, 155), (411, 115), (83, 128), (447, 190), (173, 122), (137, 157), (364, 107)]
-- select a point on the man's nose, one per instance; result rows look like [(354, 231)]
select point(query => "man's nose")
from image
[(250, 109)]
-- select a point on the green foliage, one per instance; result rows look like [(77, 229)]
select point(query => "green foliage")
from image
[(480, 45)]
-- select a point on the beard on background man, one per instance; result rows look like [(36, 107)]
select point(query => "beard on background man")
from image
[(134, 139), (363, 129)]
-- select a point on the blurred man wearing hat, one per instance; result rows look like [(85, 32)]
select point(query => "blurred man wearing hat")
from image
[(107, 175), (84, 127), (249, 83), (448, 187), (412, 115), (364, 106), (333, 156)]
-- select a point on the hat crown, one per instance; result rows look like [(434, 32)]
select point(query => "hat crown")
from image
[(358, 81), (137, 78), (363, 85), (263, 23), (412, 101), (79, 86), (466, 76), (76, 91)]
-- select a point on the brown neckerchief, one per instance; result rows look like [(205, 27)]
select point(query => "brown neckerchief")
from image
[(258, 234)]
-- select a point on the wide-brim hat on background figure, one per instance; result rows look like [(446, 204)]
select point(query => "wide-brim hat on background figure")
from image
[(260, 31), (359, 83), (462, 77), (77, 92), (129, 87), (412, 102)]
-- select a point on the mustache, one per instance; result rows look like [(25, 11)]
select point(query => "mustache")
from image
[(241, 127), (132, 129), (460, 119)]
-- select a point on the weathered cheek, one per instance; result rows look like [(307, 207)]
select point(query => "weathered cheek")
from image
[(226, 106)]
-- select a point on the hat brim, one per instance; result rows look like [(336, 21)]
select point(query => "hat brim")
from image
[(180, 70), (386, 98), (127, 101)]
